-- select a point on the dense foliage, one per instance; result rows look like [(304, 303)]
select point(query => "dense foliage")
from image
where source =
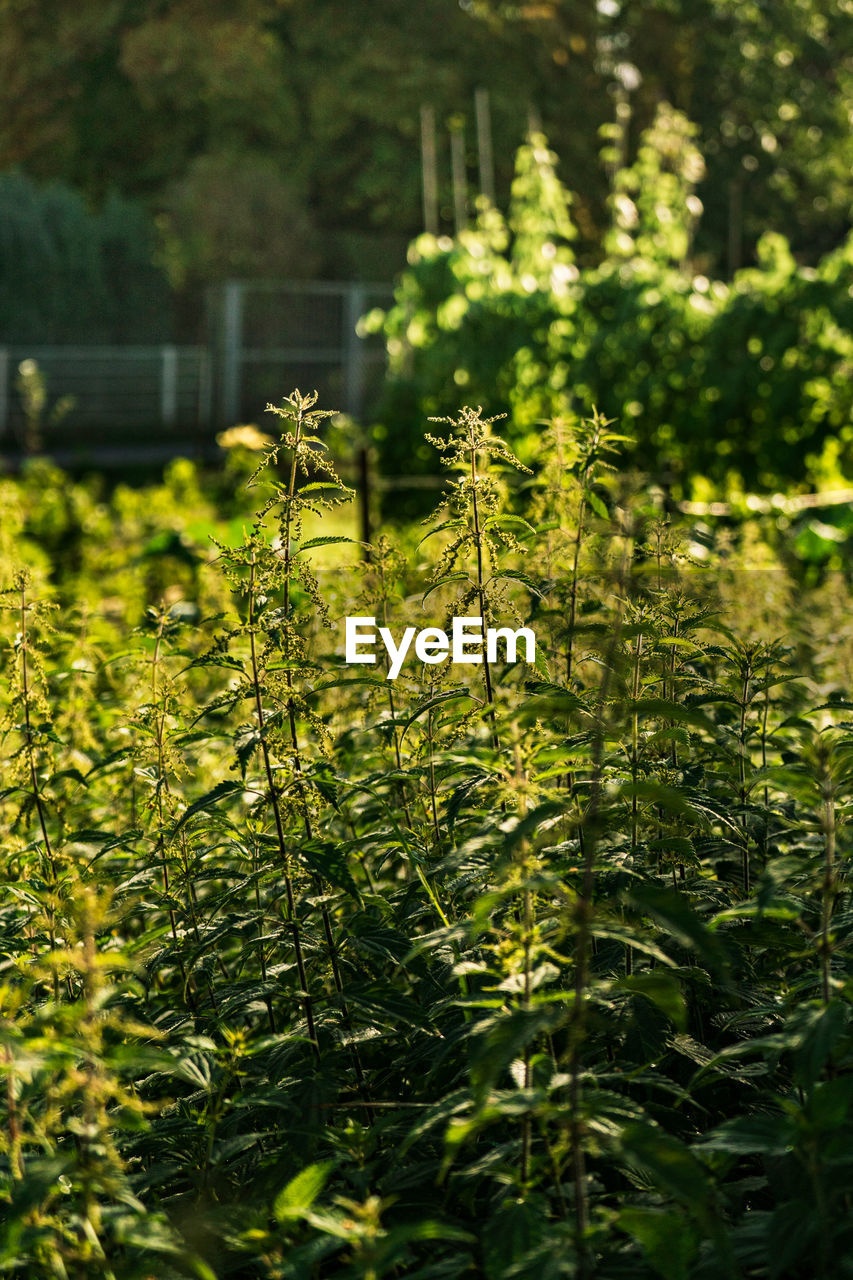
[(166, 101), (725, 384), (68, 273), (503, 970)]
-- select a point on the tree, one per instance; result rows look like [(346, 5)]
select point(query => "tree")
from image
[(769, 86), (70, 274), (132, 94)]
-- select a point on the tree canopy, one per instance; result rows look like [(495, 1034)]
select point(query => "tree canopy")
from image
[(152, 99)]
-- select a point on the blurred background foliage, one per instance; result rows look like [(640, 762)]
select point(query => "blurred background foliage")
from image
[(68, 269), (698, 286), (150, 99), (723, 383)]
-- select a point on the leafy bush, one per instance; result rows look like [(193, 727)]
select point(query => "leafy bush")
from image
[(742, 382)]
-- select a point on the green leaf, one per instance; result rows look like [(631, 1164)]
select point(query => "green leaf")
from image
[(668, 1240), (329, 862), (673, 912), (322, 486), (498, 1040), (515, 575), (301, 1192), (508, 521), (221, 791), (662, 990), (510, 1236), (440, 698), (327, 541), (439, 528), (340, 682), (669, 1163), (11, 791), (768, 1135), (540, 666), (666, 710), (246, 742), (442, 582), (597, 505)]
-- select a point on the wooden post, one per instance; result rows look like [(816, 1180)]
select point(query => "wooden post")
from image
[(623, 120), (204, 414), (460, 185), (485, 156), (353, 351), (735, 223), (363, 462), (429, 170)]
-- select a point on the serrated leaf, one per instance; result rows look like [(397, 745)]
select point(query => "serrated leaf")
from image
[(668, 1239), (431, 703), (439, 528), (442, 582), (327, 541), (597, 505), (208, 801), (767, 1135), (301, 1192), (500, 521)]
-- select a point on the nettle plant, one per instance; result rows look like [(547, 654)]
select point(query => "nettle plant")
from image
[(286, 735), (482, 533), (497, 969)]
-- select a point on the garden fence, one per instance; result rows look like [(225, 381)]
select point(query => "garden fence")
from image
[(263, 339)]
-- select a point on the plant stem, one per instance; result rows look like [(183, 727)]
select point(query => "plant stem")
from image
[(747, 675), (37, 796), (635, 741), (481, 590), (162, 788), (16, 1157), (307, 1002), (294, 740), (583, 917), (828, 887), (573, 589)]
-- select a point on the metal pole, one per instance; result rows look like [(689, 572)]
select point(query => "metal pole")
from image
[(168, 385), (484, 144), (429, 170), (232, 343), (353, 351), (353, 348)]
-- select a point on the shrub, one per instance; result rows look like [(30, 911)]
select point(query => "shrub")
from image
[(746, 378)]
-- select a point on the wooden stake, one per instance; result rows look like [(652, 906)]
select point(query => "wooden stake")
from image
[(460, 185), (484, 145), (429, 170)]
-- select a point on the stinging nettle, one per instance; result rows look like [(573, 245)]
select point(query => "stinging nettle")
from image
[(432, 645)]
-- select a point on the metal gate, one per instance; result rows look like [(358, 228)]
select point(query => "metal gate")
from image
[(268, 338)]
